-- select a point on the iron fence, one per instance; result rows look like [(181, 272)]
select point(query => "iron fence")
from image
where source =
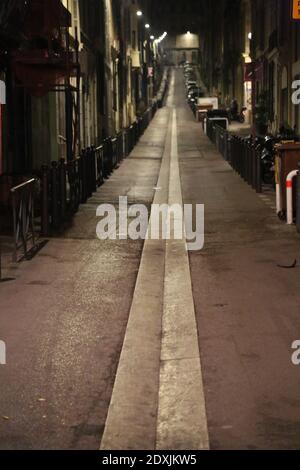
[(23, 219), (59, 189), (163, 88), (66, 185), (242, 154)]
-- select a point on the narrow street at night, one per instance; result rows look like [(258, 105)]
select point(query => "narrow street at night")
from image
[(65, 317), (149, 229)]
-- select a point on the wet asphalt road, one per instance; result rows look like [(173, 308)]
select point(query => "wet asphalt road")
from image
[(248, 309), (65, 317)]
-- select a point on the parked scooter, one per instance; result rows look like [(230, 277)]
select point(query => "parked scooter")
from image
[(266, 147), (268, 159), (238, 116), (234, 114)]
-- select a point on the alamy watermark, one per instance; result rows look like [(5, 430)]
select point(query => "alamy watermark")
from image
[(296, 353), (2, 353), (2, 92), (296, 94), (2, 343), (164, 222)]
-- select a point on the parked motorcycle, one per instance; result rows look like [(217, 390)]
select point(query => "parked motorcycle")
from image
[(234, 115), (268, 160), (266, 147)]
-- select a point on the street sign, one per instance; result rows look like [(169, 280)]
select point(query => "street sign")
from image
[(296, 10)]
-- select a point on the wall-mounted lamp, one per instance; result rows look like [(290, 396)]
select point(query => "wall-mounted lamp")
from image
[(161, 38)]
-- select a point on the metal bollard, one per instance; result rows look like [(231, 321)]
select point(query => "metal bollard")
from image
[(83, 177), (90, 182), (298, 202), (89, 173), (233, 147), (45, 225), (289, 196), (253, 164), (62, 189), (258, 178), (54, 196), (93, 170), (248, 153), (242, 159), (105, 160)]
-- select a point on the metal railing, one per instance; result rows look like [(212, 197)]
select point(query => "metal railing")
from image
[(163, 88), (242, 154), (64, 186), (3, 279), (23, 219)]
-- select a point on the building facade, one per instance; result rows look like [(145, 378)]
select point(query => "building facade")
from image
[(182, 48), (250, 51), (225, 39), (75, 72)]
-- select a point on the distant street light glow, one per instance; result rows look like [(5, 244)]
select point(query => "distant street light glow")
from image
[(161, 38), (139, 13), (147, 26)]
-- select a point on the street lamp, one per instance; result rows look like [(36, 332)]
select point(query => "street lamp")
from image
[(161, 38), (139, 13), (147, 26)]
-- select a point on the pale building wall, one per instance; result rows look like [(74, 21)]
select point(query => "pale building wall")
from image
[(187, 41), (111, 46)]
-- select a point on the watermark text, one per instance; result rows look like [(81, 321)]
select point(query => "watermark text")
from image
[(296, 93), (296, 353), (2, 92), (164, 222), (2, 353)]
